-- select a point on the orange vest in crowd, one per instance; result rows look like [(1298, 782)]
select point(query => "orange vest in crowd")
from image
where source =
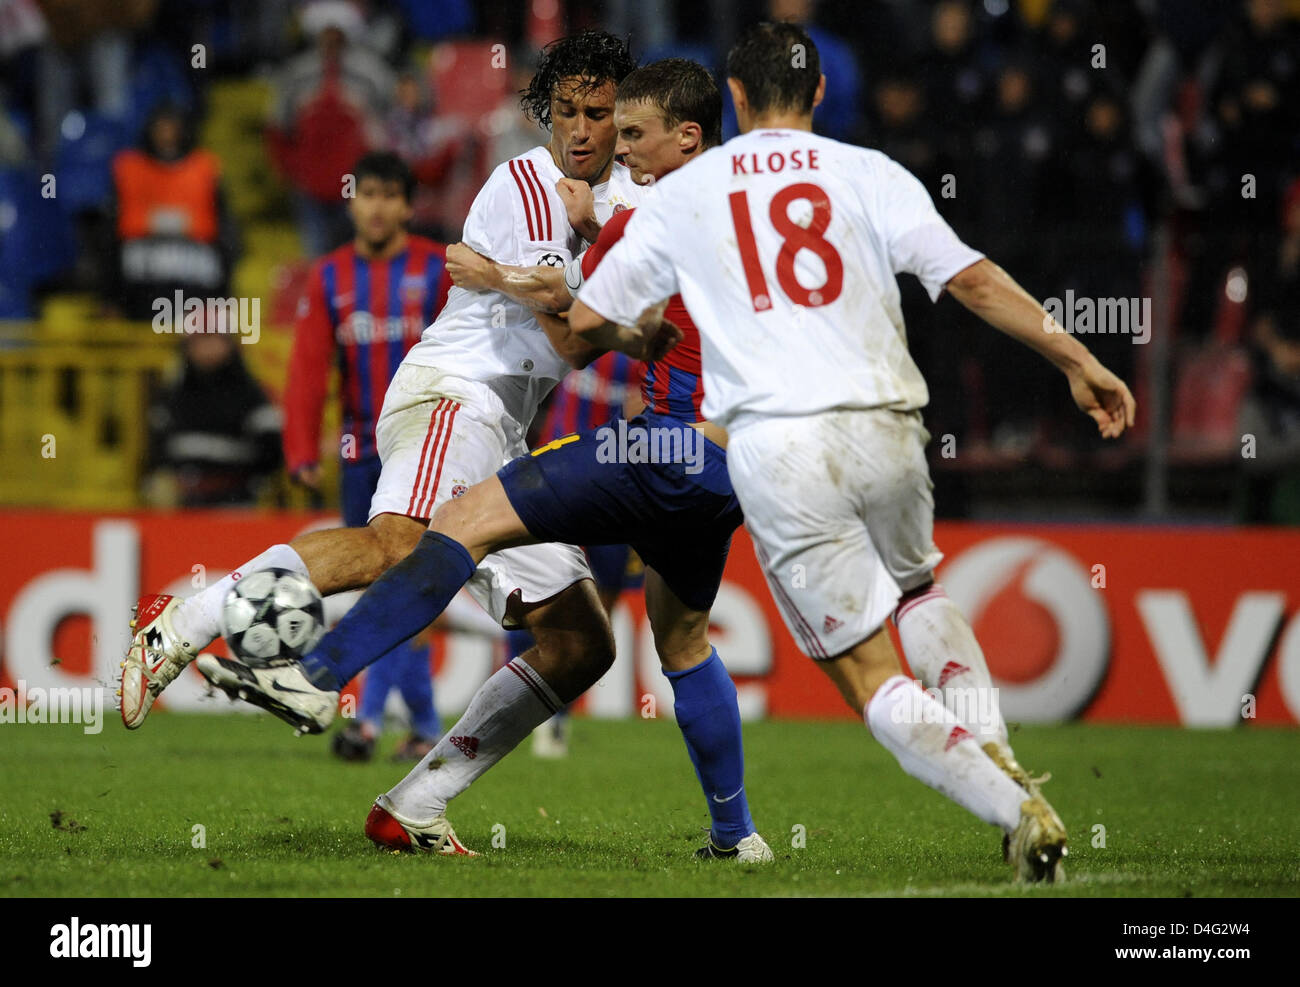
[(167, 197)]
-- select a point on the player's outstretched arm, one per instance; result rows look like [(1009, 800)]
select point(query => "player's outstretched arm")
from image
[(540, 288), (995, 297), (650, 340)]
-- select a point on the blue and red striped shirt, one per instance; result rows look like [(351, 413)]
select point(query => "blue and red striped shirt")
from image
[(674, 385), (588, 398), (361, 316)]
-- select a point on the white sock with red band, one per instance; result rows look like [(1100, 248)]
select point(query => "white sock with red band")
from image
[(505, 710), (934, 748), (198, 618), (942, 652)]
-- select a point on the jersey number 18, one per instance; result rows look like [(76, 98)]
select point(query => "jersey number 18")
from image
[(794, 239)]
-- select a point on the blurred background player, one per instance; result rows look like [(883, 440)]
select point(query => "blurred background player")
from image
[(587, 399), (364, 307)]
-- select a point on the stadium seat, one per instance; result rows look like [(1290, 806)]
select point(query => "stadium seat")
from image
[(36, 241), (467, 84), (83, 160)]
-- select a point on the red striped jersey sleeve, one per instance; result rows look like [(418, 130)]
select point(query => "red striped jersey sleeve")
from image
[(518, 217), (309, 370)]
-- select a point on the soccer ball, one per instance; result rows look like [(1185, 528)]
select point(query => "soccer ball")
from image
[(272, 617)]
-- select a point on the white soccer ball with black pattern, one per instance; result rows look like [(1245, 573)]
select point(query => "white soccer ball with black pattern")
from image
[(272, 617)]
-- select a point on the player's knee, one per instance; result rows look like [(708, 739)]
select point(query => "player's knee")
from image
[(396, 537)]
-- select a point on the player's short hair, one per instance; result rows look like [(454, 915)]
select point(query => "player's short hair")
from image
[(778, 65), (387, 167), (682, 91), (592, 57)]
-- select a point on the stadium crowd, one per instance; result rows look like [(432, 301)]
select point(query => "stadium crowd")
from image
[(1126, 149)]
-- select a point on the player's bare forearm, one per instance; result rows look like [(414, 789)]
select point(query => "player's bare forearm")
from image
[(539, 288), (576, 350), (649, 340), (994, 296)]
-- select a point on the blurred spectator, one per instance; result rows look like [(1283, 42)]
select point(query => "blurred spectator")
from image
[(509, 132), (89, 48), (957, 84), (214, 435), (649, 23), (173, 231), (1066, 77), (330, 104), (1257, 107), (904, 130), (432, 147), (839, 114), (1009, 152), (1271, 413)]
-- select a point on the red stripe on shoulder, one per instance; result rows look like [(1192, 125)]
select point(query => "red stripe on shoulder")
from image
[(546, 202), (528, 213)]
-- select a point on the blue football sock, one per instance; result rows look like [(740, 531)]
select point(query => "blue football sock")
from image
[(415, 680), (705, 704), (381, 678), (400, 603)]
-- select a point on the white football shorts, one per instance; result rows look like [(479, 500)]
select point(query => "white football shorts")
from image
[(840, 509), (438, 435)]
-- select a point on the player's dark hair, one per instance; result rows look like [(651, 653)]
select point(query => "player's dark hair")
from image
[(387, 167), (682, 91), (778, 65), (592, 57)]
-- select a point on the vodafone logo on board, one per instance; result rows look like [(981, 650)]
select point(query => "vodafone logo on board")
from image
[(1045, 631)]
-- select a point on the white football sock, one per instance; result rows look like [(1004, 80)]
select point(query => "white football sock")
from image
[(934, 748), (505, 710), (198, 618), (942, 652)]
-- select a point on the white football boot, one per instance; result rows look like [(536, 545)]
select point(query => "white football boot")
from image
[(156, 656), (1002, 756), (753, 849), (388, 828), (280, 689), (1038, 843)]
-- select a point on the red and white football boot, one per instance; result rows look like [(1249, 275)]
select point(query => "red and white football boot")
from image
[(387, 828), (156, 656)]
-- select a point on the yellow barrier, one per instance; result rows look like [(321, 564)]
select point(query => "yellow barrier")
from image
[(74, 414), (73, 427)]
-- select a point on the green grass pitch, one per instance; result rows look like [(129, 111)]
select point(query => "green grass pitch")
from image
[(1186, 813)]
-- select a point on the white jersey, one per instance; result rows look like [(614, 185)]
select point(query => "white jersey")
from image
[(519, 219), (784, 246)]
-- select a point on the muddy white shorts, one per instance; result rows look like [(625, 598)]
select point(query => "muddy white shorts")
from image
[(840, 510), (437, 436)]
